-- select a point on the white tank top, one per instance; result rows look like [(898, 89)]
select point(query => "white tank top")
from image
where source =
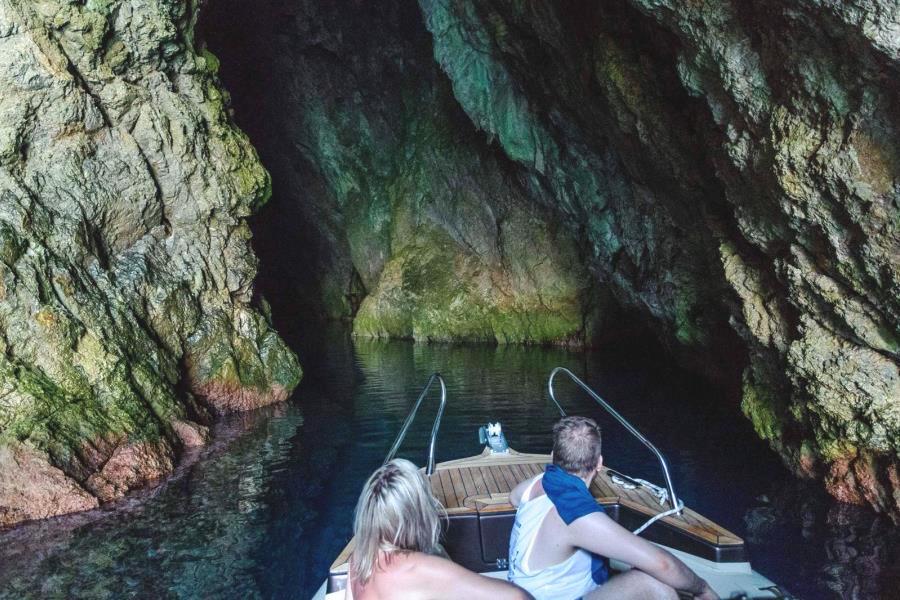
[(567, 580)]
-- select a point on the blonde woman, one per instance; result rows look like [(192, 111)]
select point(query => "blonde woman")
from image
[(396, 531)]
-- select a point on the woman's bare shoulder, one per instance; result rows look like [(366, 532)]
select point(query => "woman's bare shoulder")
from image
[(398, 573), (440, 577), (417, 570), (407, 567), (420, 565)]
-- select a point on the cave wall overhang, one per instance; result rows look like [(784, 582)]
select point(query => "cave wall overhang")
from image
[(487, 170)]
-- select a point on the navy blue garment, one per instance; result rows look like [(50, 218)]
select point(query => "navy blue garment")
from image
[(573, 500)]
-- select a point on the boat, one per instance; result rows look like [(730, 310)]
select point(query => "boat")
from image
[(475, 493)]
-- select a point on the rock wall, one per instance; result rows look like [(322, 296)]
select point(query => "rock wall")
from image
[(126, 273), (405, 218), (454, 170), (759, 143)]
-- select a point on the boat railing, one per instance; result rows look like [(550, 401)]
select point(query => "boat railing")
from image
[(670, 487), (411, 417)]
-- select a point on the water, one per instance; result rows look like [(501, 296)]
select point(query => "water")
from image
[(264, 510)]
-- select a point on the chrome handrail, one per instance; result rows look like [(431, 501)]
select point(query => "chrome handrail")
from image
[(434, 428), (631, 428)]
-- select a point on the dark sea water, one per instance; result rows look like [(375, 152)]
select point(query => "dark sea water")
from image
[(264, 510)]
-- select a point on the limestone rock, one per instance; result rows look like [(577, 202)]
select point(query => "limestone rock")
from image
[(726, 172), (406, 221), (764, 136), (125, 266)]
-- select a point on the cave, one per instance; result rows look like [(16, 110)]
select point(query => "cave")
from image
[(352, 159), (657, 199), (206, 207)]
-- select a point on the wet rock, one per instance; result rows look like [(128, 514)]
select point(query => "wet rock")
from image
[(31, 488), (191, 434), (125, 266), (131, 465), (727, 162), (409, 223)]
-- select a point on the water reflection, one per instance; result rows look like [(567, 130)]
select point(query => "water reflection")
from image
[(195, 535), (845, 551), (262, 512)]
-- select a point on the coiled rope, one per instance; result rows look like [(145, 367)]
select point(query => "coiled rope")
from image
[(662, 496)]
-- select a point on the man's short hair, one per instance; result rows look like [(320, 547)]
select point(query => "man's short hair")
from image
[(576, 445)]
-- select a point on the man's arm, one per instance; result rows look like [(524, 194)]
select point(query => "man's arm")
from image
[(515, 496), (599, 534)]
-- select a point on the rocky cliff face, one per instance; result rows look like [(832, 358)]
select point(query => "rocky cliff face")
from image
[(726, 171), (763, 136), (125, 267), (413, 223)]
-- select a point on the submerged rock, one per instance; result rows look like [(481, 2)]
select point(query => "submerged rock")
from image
[(125, 266)]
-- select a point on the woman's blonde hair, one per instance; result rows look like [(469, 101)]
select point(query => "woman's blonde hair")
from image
[(396, 512)]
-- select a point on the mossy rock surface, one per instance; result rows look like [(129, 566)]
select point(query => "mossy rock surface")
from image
[(122, 236), (727, 171), (724, 172)]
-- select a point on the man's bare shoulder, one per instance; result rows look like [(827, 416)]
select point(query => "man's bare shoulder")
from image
[(599, 522), (515, 496), (594, 517)]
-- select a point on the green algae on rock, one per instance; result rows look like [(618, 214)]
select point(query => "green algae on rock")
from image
[(123, 189), (760, 135), (452, 236), (727, 172), (555, 124), (416, 228)]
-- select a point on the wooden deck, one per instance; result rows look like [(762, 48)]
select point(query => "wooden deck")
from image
[(481, 484)]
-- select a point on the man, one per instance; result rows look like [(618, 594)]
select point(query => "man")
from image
[(562, 540)]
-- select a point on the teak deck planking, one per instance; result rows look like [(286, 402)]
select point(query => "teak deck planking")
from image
[(482, 483)]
